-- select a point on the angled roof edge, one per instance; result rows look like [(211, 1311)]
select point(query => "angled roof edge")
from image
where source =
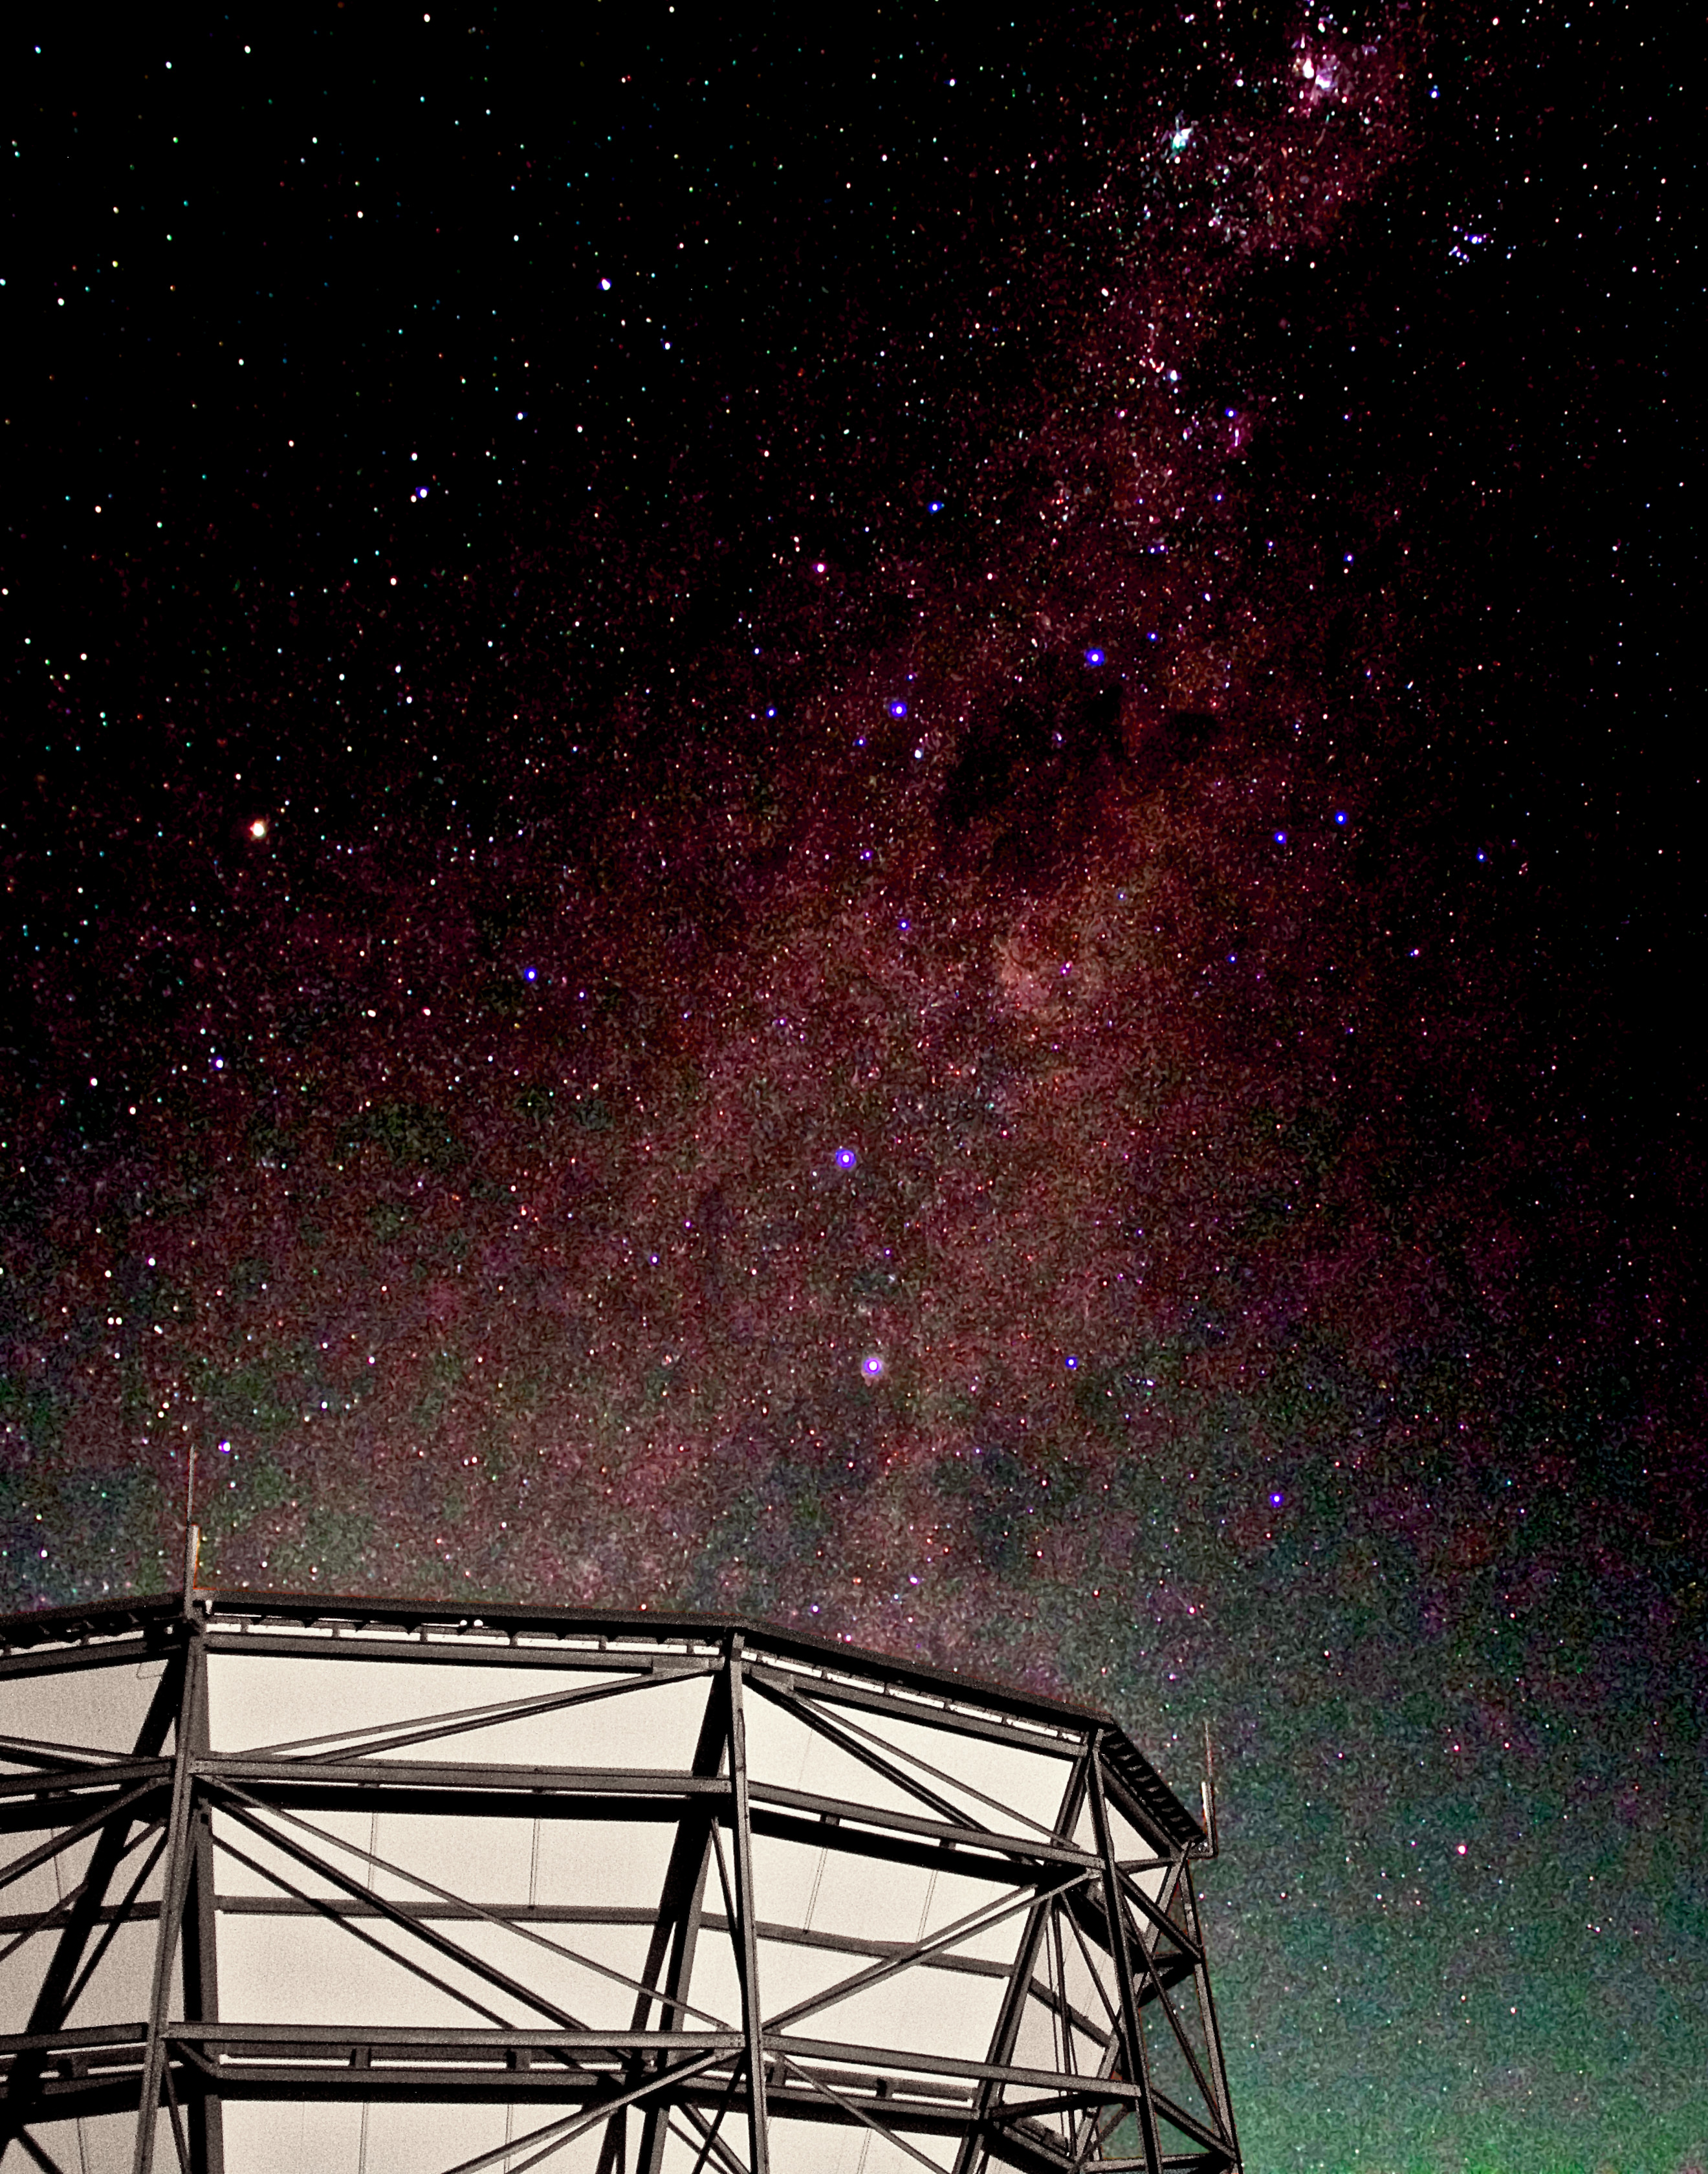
[(90, 1619), (1128, 1765)]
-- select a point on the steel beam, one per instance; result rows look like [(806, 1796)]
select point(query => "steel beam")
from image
[(276, 1776), (681, 1910), (191, 1686), (758, 2145), (1122, 1959), (1013, 2005), (1029, 1849), (201, 1970), (1207, 2013)]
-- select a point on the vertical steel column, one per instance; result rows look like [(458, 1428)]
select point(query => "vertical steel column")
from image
[(1206, 2013), (613, 2152), (206, 2111), (1122, 1955), (175, 1882), (681, 1907), (759, 2148), (1016, 1992)]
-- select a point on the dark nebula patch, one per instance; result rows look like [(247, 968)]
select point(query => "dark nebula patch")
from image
[(1018, 801)]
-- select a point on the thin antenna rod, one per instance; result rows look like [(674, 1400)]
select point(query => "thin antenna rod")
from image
[(192, 1535), (1209, 1792)]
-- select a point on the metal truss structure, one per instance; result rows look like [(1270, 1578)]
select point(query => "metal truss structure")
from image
[(297, 1885)]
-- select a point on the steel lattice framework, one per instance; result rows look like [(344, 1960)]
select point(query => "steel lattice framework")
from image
[(291, 1883)]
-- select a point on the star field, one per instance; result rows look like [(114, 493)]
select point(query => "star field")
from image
[(890, 827)]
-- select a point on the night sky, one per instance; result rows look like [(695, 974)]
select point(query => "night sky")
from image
[(892, 827)]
